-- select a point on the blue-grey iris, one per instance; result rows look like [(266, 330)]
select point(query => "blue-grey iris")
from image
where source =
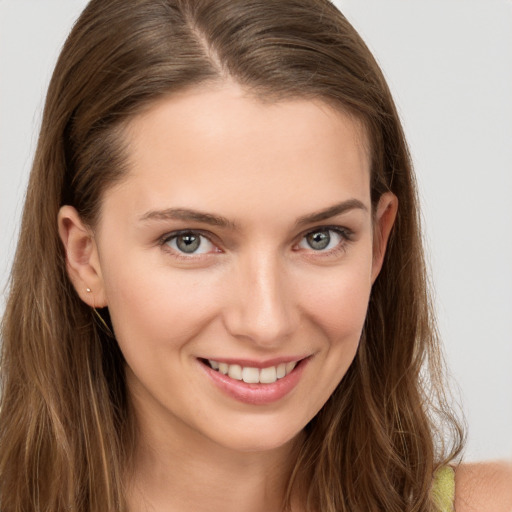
[(318, 240), (188, 243)]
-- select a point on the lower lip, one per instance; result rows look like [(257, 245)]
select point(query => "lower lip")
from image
[(256, 394)]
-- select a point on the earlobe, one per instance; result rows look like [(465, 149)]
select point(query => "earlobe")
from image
[(82, 260), (385, 216)]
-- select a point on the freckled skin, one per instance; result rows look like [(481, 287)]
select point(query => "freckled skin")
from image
[(256, 294)]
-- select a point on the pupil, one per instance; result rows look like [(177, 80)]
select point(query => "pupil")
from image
[(319, 240), (188, 243)]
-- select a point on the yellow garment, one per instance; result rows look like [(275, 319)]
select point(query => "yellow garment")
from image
[(443, 489)]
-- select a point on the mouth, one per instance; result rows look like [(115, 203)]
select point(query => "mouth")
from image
[(251, 374), (255, 383)]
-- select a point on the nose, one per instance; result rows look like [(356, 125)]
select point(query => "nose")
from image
[(262, 309)]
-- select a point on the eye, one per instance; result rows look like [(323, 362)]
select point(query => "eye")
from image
[(323, 239), (189, 242)]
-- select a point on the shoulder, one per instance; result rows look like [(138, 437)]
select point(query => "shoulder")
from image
[(483, 487)]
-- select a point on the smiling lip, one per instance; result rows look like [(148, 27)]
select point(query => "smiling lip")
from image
[(257, 394)]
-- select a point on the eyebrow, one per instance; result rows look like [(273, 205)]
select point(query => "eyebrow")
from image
[(186, 214), (189, 215), (331, 211)]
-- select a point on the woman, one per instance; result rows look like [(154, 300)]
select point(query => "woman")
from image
[(219, 284)]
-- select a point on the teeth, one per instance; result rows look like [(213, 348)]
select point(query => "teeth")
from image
[(268, 375), (281, 370), (254, 375), (251, 375), (290, 366), (235, 371)]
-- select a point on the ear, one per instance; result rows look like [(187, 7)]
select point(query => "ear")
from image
[(82, 260), (384, 219)]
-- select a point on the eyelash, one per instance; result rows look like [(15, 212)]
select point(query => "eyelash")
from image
[(345, 234), (176, 253)]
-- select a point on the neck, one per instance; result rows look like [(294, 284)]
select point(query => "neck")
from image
[(177, 469)]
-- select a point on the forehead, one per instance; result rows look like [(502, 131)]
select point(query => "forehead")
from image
[(218, 147)]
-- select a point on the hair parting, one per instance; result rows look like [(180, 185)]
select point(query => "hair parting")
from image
[(67, 432)]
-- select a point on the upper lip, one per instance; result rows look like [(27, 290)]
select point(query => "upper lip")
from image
[(253, 363)]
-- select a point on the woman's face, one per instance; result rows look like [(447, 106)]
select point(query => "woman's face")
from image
[(242, 235)]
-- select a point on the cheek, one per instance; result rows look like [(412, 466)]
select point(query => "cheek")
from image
[(336, 310), (158, 305), (342, 320), (338, 302), (153, 302), (343, 309)]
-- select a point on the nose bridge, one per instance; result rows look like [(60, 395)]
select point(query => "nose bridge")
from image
[(262, 309)]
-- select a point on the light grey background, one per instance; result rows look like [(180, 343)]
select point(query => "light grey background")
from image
[(449, 65)]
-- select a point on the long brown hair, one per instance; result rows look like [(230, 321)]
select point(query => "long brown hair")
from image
[(66, 429)]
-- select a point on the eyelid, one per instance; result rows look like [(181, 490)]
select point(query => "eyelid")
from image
[(165, 239), (345, 233), (342, 230)]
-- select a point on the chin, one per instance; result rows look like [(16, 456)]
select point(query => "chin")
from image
[(256, 439), (258, 443)]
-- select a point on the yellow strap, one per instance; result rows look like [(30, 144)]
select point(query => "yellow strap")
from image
[(443, 489)]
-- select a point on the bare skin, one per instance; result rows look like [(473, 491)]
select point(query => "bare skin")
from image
[(190, 479), (484, 487), (278, 176), (211, 249)]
